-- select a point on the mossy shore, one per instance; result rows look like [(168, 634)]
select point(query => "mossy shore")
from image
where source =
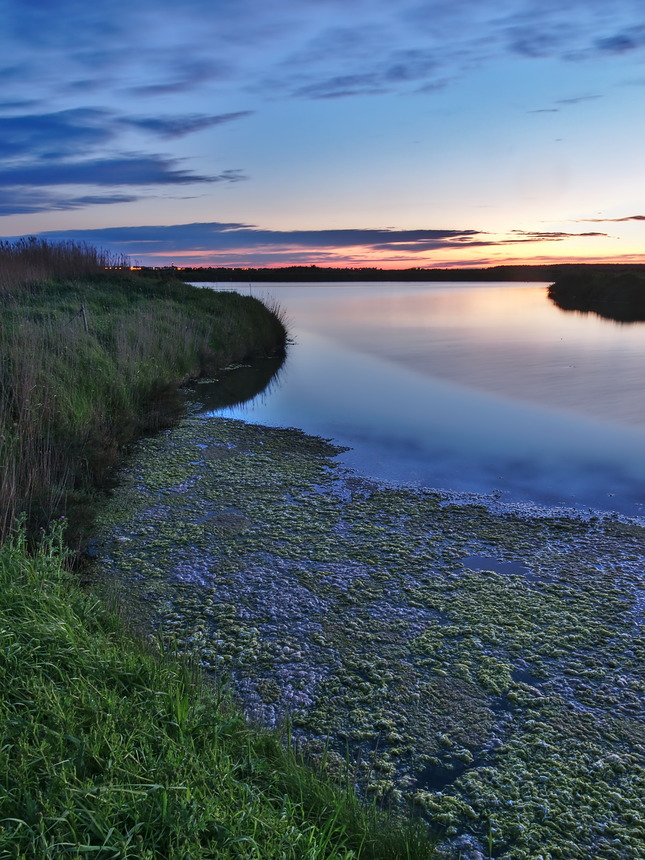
[(478, 665)]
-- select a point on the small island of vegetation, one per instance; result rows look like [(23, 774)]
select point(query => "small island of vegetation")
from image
[(617, 293)]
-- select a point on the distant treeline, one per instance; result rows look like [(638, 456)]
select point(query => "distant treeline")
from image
[(612, 290), (320, 274), (617, 293)]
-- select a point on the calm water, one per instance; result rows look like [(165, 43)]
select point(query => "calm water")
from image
[(476, 388)]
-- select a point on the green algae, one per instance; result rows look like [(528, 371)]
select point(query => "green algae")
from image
[(495, 704)]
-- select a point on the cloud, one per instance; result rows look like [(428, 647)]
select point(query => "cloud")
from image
[(124, 170), (175, 48), (433, 43), (76, 131), (568, 101), (611, 220), (382, 69), (16, 104), (223, 237), (410, 65), (169, 127), (298, 48), (576, 31), (556, 236), (534, 44), (23, 188), (24, 201), (185, 76), (216, 236), (341, 86), (54, 135), (240, 244), (577, 99), (48, 24), (366, 56), (618, 44), (72, 147), (183, 68), (11, 73)]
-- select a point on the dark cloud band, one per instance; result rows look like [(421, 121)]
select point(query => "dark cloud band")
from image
[(215, 240), (610, 220), (215, 236)]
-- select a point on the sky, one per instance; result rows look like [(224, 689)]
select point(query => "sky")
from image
[(389, 133)]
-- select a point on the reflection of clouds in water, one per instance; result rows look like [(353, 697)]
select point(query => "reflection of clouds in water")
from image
[(405, 427)]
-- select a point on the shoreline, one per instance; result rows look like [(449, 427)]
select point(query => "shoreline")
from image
[(111, 744)]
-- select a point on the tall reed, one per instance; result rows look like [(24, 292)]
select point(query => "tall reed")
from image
[(89, 362), (23, 261)]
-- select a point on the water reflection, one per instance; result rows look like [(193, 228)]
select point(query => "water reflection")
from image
[(237, 385), (506, 339), (486, 389)]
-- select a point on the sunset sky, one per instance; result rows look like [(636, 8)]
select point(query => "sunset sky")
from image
[(393, 133)]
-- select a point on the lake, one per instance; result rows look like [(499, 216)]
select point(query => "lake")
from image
[(473, 388)]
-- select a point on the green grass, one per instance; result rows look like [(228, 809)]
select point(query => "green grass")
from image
[(110, 751), (110, 748), (90, 364)]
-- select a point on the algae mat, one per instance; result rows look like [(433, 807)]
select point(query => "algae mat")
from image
[(480, 665)]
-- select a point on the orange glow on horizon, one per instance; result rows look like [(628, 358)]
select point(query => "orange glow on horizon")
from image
[(361, 257)]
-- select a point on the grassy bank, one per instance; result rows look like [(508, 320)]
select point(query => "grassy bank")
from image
[(91, 362), (109, 749)]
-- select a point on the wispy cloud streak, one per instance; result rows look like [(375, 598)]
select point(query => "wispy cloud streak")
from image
[(610, 220), (237, 243)]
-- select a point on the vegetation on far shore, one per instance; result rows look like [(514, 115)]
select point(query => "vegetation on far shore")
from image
[(324, 274), (617, 294), (109, 749)]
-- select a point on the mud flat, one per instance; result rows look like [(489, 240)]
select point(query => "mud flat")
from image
[(485, 666)]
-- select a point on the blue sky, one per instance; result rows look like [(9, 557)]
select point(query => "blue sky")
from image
[(334, 132)]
